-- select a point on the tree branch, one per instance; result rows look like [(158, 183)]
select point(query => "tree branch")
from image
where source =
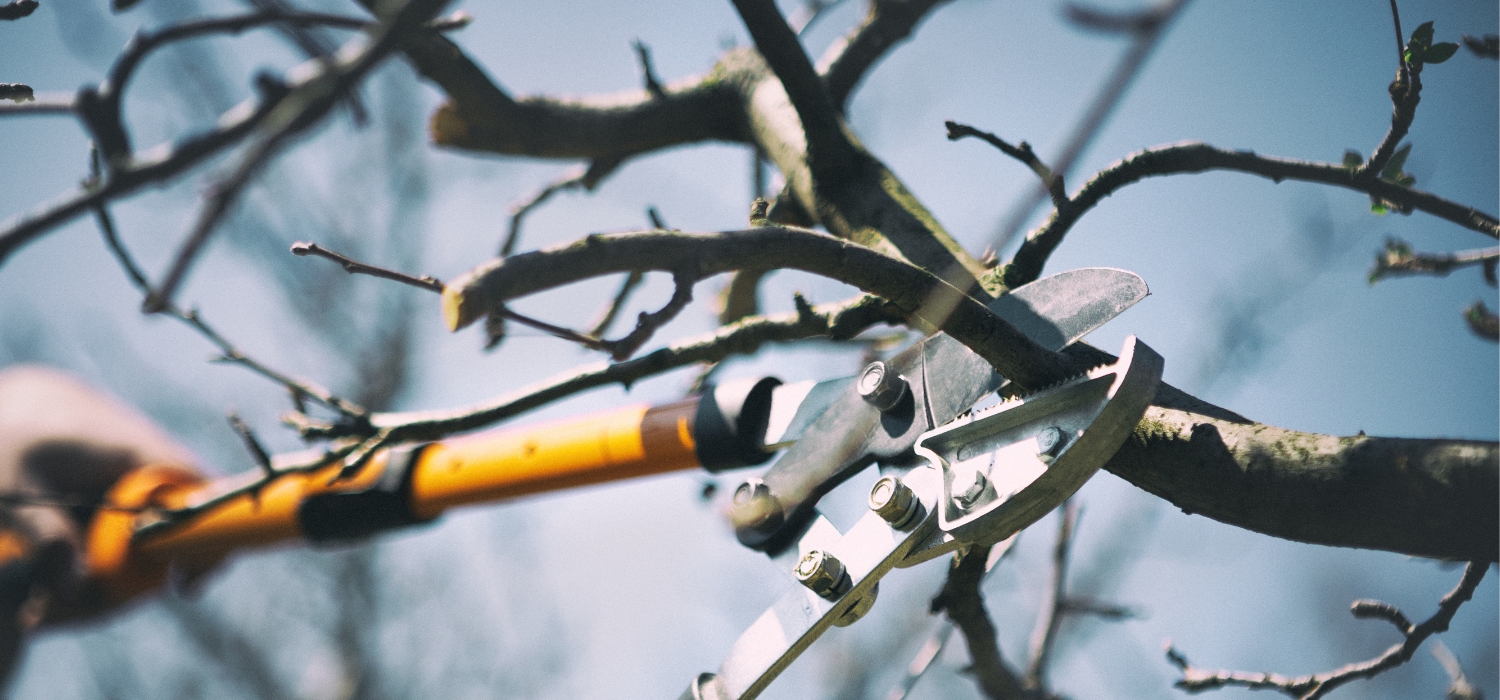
[(849, 59), (1315, 686), (696, 256), (1028, 261), (308, 101), (588, 177), (961, 600), (1049, 618), (1398, 260), (1023, 153)]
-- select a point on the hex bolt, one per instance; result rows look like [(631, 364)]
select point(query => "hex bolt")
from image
[(880, 386), (972, 493), (823, 574), (1049, 442), (895, 502)]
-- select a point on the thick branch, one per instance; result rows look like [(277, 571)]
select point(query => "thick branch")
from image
[(1199, 157), (1431, 498), (696, 256)]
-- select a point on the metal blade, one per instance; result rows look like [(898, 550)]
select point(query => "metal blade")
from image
[(1054, 312)]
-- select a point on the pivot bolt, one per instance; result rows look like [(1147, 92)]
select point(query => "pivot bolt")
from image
[(823, 574), (895, 502), (1049, 442), (970, 495), (880, 386)]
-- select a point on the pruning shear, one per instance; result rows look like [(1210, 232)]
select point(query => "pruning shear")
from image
[(951, 477)]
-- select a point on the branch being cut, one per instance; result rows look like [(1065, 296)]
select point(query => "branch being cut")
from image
[(1028, 261), (1311, 687)]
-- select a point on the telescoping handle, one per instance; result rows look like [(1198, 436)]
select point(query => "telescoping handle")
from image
[(129, 552)]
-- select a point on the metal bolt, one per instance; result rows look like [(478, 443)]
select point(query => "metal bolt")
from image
[(971, 494), (894, 502), (752, 489), (1049, 442), (823, 574), (880, 386)]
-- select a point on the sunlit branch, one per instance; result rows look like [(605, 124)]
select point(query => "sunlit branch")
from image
[(1311, 687)]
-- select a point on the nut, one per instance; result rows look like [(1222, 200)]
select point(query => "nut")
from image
[(880, 386), (894, 502), (1049, 443), (823, 574)]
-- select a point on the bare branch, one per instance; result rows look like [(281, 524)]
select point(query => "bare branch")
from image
[(849, 59), (1485, 47), (351, 266), (1483, 322), (1049, 618), (647, 324), (252, 445), (648, 71), (1317, 685), (1023, 153), (1028, 261), (828, 148), (838, 321), (353, 414), (961, 600), (696, 256), (632, 280), (586, 177), (1153, 25), (308, 101), (1398, 260), (17, 9)]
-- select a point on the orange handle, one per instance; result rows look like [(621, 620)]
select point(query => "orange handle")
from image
[(620, 444)]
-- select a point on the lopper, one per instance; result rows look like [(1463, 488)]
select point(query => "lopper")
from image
[(952, 477)]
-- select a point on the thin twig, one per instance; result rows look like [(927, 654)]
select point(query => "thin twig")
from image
[(252, 445), (647, 324), (298, 388), (1317, 685), (1023, 153), (1487, 46), (351, 266), (1049, 618), (1398, 260), (648, 71), (1153, 25), (1027, 263), (1406, 93), (963, 603), (585, 177), (309, 100)]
